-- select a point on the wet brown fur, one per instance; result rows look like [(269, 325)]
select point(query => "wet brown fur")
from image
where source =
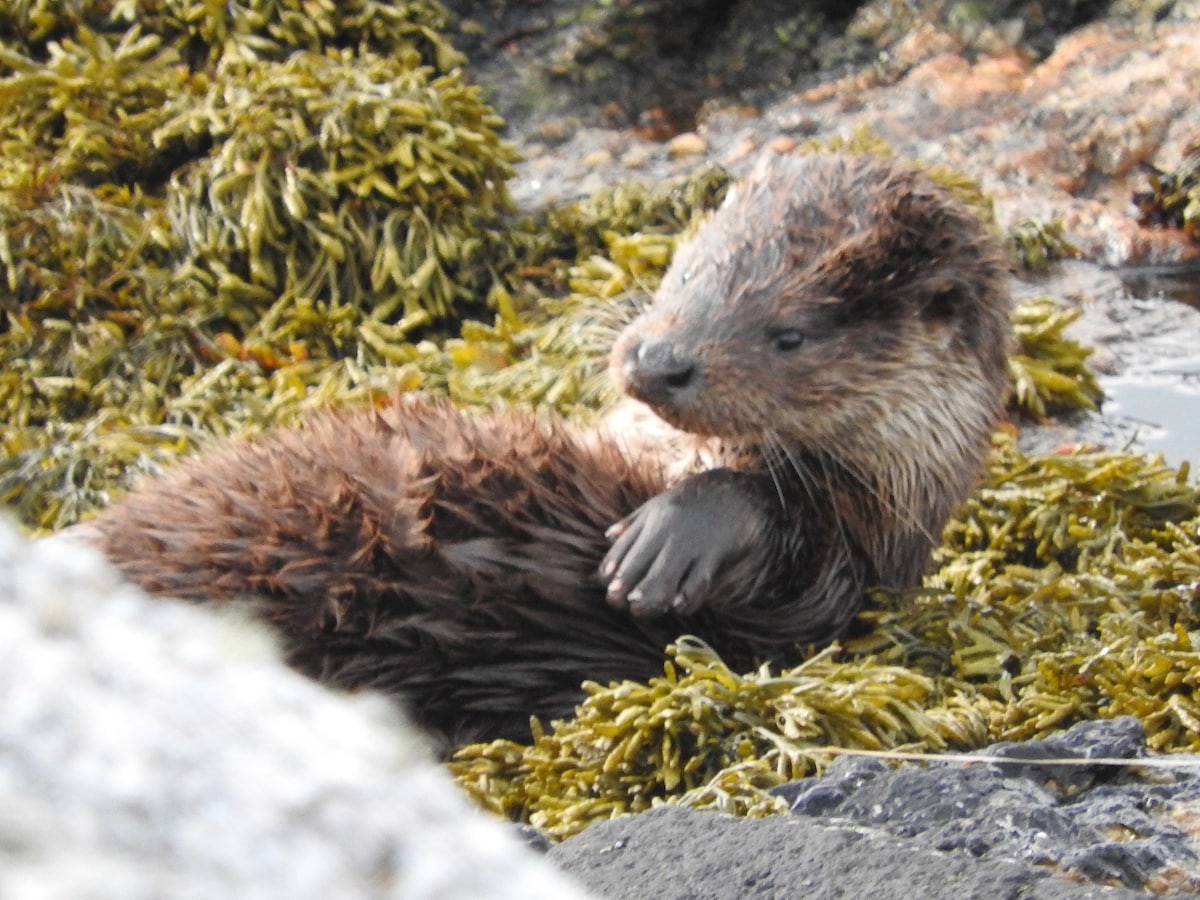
[(452, 559)]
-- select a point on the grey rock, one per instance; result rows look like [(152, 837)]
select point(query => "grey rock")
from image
[(1028, 807), (668, 854)]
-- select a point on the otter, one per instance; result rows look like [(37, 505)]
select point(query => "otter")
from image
[(826, 357)]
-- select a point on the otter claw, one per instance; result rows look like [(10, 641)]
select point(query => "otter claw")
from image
[(667, 556)]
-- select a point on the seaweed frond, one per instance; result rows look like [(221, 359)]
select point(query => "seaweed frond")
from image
[(705, 736), (1037, 244), (1173, 200), (1049, 370)]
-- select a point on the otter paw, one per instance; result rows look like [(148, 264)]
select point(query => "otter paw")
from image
[(667, 556)]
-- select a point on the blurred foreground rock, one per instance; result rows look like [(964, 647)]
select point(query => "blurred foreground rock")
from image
[(152, 750)]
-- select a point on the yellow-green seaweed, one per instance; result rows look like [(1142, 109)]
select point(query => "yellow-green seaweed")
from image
[(707, 736), (200, 234), (1037, 244), (1049, 370), (205, 32), (340, 180), (1174, 197)]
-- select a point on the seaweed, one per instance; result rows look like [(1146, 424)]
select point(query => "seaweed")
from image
[(1036, 245), (365, 181), (88, 112), (704, 735), (204, 32), (1049, 371), (1173, 200), (625, 209), (209, 224)]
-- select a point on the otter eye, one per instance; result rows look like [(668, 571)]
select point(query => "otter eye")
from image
[(787, 339)]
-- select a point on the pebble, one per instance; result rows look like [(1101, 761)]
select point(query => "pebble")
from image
[(687, 144)]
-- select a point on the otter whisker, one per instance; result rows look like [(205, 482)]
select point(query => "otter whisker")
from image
[(892, 501), (828, 468), (775, 459)]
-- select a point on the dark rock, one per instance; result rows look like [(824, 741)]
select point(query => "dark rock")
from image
[(673, 854), (649, 64), (1100, 823), (844, 776)]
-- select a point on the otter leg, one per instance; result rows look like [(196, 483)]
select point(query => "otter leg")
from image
[(699, 539)]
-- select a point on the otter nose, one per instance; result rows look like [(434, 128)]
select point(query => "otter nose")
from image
[(659, 371)]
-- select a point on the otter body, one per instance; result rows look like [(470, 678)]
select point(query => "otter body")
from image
[(830, 348)]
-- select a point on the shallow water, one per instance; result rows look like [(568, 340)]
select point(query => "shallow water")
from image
[(1164, 406), (1161, 399), (1179, 281)]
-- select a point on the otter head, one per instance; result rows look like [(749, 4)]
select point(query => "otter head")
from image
[(830, 303)]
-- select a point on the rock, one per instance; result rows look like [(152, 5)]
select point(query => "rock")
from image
[(151, 749), (687, 144), (1061, 816), (1011, 828), (625, 63), (1070, 135), (673, 854)]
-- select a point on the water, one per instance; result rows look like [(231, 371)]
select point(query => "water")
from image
[(1175, 281), (1162, 399), (1163, 403)]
